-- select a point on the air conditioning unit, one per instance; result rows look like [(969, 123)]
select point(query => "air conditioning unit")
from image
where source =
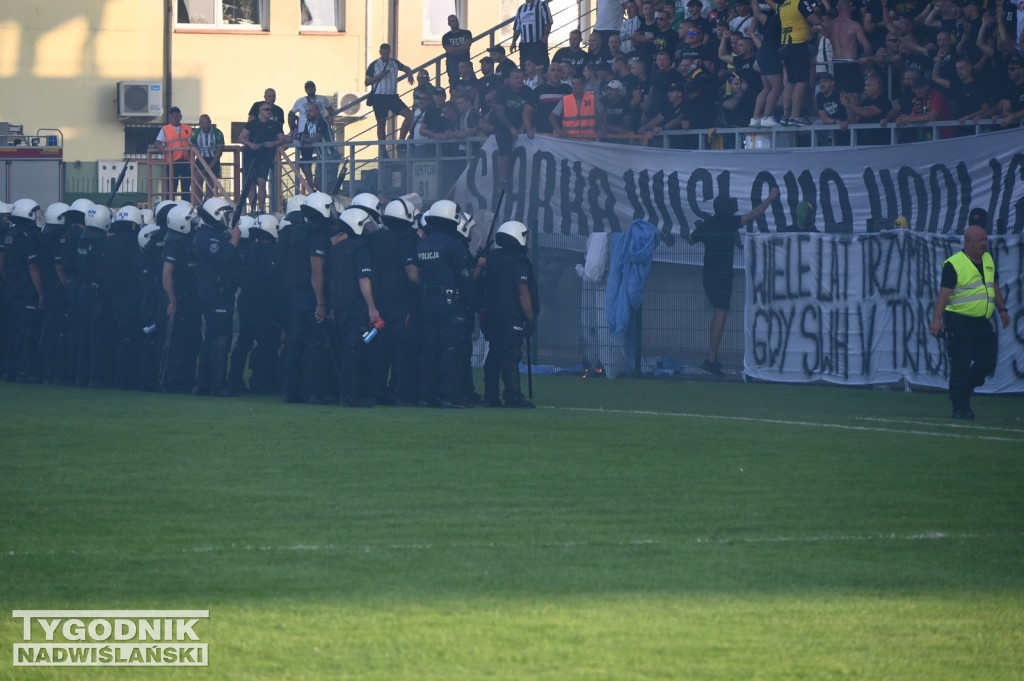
[(343, 99), (140, 99)]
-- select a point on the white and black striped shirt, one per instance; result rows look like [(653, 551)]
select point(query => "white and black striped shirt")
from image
[(531, 19), (388, 85)]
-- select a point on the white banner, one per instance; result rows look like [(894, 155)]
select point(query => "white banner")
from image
[(855, 309), (568, 189)]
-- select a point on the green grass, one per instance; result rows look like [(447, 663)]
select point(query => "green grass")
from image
[(624, 530)]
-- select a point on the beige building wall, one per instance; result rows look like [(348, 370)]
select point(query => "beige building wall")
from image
[(61, 60), (60, 63)]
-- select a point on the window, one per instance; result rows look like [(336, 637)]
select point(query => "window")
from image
[(226, 14), (322, 15), (435, 18)]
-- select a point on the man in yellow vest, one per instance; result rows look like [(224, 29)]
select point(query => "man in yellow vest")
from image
[(579, 115), (176, 139), (968, 296)]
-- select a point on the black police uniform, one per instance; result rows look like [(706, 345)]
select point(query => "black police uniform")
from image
[(441, 260), (216, 270), (259, 316), (472, 305), (25, 320), (55, 315), (122, 263), (182, 347), (95, 363), (152, 310), (504, 323), (304, 339), (5, 314), (69, 261), (392, 357), (351, 263)]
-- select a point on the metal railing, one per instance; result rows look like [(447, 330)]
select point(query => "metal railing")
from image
[(435, 66)]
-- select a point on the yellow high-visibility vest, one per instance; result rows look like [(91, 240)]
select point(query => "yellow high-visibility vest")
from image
[(974, 295)]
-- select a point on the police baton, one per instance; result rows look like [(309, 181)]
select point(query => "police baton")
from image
[(167, 349), (494, 221), (529, 367), (340, 180), (249, 179), (117, 185)]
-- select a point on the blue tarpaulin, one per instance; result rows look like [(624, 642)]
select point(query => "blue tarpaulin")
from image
[(631, 256)]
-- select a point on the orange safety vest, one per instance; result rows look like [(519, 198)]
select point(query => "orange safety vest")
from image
[(177, 144), (580, 122)]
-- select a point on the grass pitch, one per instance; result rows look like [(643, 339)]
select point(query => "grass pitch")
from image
[(623, 530)]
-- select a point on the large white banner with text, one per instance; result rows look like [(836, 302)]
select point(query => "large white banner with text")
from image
[(855, 309), (568, 189)]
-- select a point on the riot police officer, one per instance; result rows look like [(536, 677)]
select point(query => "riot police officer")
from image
[(259, 314), (5, 314), (511, 304), (308, 244), (122, 262), (215, 246), (355, 312), (74, 222), (182, 337), (53, 356), (152, 309), (394, 352), (441, 261), (24, 292), (95, 321)]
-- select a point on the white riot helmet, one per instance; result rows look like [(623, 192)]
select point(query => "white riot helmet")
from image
[(179, 219), (294, 204), (466, 224), (444, 210), (357, 221), (318, 206), (5, 208), (26, 211), (515, 230), (129, 214), (216, 212), (399, 213), (147, 216), (76, 214), (146, 234), (98, 217), (368, 202), (161, 211), (267, 222), (245, 223), (55, 213)]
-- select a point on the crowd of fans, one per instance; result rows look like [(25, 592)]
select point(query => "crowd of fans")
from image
[(671, 66)]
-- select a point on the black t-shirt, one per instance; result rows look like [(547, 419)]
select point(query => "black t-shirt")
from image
[(545, 99), (667, 40), (455, 39), (260, 132), (576, 57), (967, 97), (513, 102), (882, 102), (718, 234), (276, 112), (831, 105), (1015, 94), (616, 113)]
